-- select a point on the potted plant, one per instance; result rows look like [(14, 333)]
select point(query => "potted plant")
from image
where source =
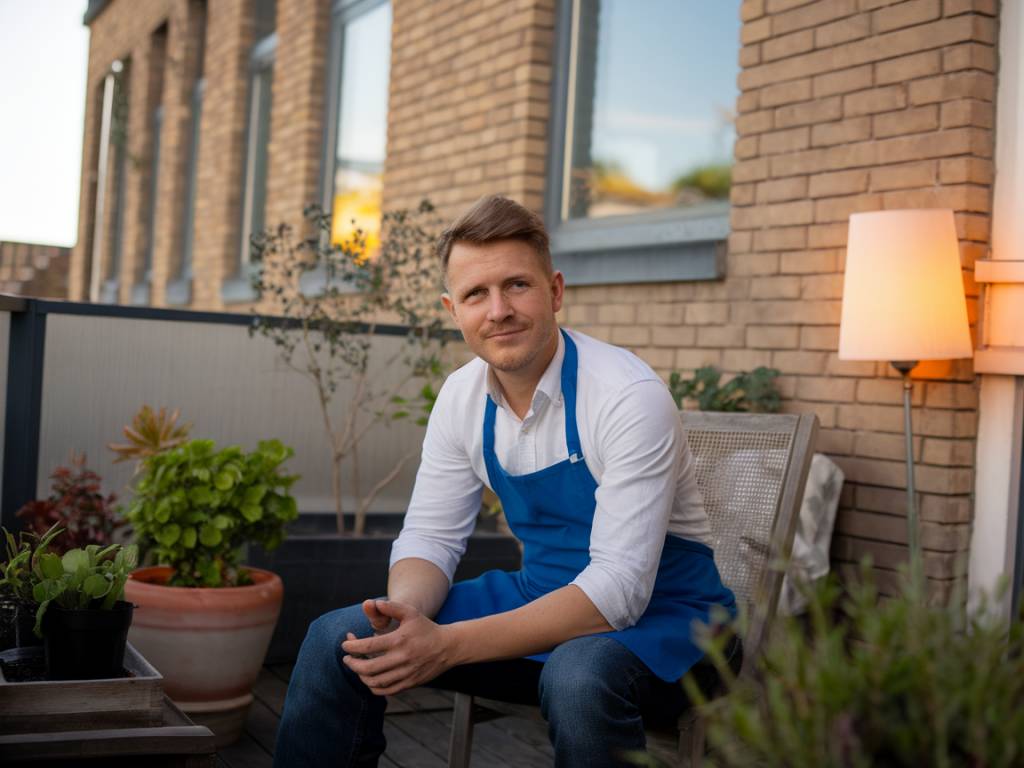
[(324, 306), (82, 615), (17, 605), (203, 619), (899, 681)]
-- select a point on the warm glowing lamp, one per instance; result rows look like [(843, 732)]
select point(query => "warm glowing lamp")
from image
[(903, 301)]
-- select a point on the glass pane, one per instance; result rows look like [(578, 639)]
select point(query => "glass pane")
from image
[(651, 123), (261, 136), (119, 153), (362, 126)]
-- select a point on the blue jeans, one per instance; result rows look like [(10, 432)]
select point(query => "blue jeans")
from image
[(593, 692)]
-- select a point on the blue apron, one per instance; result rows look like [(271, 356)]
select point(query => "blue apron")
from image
[(551, 511)]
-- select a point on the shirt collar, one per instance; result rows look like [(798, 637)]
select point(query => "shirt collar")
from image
[(549, 388)]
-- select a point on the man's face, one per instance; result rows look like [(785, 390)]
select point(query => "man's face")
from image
[(504, 302)]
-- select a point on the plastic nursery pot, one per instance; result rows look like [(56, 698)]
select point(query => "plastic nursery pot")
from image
[(25, 620), (86, 643)]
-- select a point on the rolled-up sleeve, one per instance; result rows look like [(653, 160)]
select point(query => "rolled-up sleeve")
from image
[(445, 499), (640, 441)]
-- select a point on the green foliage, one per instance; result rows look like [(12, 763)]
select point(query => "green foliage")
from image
[(81, 578), (870, 681), (712, 181), (16, 572), (755, 391), (328, 333), (195, 506)]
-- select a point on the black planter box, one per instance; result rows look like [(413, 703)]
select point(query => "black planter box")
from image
[(323, 571)]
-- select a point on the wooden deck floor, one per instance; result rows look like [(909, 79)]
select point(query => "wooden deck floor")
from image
[(417, 726)]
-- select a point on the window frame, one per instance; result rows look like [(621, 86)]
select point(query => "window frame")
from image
[(238, 288), (662, 246)]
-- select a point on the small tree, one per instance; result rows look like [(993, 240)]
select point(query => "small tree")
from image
[(325, 331)]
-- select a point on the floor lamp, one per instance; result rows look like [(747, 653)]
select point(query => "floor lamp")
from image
[(903, 301)]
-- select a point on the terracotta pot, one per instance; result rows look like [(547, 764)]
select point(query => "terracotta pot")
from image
[(208, 644)]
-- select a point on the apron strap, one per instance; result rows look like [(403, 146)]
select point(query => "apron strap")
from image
[(569, 366)]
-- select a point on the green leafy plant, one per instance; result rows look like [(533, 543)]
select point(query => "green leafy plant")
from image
[(82, 578), (870, 681), (328, 331), (151, 432), (76, 503), (20, 553), (755, 391), (195, 506)]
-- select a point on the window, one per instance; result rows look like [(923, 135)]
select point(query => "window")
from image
[(179, 290), (642, 139), (117, 141), (356, 136), (254, 190)]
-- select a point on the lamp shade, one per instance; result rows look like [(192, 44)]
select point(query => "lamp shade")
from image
[(903, 293)]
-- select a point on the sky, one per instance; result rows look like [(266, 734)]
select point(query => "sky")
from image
[(44, 52)]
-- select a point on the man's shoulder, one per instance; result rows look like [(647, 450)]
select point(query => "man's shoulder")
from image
[(607, 368), (466, 380)]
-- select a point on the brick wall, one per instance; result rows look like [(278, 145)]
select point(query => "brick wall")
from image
[(845, 106), (28, 269)]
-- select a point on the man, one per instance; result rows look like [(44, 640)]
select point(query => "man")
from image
[(582, 443)]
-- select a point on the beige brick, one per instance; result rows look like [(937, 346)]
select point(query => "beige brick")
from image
[(914, 120), (826, 412), (782, 189), (945, 509), (658, 358), (673, 336), (906, 68), (799, 362), (825, 389), (812, 15), (905, 14), (783, 287), (957, 197), (860, 368), (843, 81), (837, 442), (942, 394), (773, 337), (721, 336), (969, 56), (821, 287), (816, 160), (750, 55), (746, 147), (755, 122), (777, 6), (659, 314), (692, 359), (842, 132), (906, 176), (742, 360), (824, 337), (987, 7), (956, 85), (631, 335), (707, 313), (808, 112), (839, 208), (774, 214), (780, 238), (842, 31), (750, 170), (808, 262), (827, 235), (785, 312), (883, 99), (969, 170), (616, 314), (788, 45), (751, 9), (968, 112), (789, 140), (838, 183), (752, 264), (742, 194), (748, 102), (948, 453), (786, 93)]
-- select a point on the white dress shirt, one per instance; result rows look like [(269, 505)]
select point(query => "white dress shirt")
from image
[(632, 443)]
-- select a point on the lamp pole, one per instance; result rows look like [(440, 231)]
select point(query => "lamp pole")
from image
[(913, 542)]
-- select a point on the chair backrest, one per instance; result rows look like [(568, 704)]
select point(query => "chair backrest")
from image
[(751, 470)]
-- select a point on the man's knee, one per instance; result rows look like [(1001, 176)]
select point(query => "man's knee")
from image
[(326, 633), (581, 675)]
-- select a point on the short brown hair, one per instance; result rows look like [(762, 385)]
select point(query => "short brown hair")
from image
[(494, 218)]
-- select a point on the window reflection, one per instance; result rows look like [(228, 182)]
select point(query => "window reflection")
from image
[(651, 122), (362, 126)]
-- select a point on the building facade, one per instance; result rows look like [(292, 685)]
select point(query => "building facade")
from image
[(696, 164)]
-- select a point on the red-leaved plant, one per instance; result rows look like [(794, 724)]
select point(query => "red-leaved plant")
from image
[(78, 504)]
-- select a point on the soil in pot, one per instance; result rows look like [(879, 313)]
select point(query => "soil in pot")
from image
[(86, 643), (25, 619)]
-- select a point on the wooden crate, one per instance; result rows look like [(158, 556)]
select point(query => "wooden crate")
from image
[(71, 705)]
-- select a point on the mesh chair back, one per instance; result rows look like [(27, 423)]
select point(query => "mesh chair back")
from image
[(751, 470)]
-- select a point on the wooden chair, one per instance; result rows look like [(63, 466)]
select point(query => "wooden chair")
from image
[(751, 470)]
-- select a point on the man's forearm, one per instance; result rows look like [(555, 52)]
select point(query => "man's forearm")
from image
[(419, 583), (536, 627)]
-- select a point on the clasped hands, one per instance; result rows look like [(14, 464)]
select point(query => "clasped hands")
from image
[(407, 648)]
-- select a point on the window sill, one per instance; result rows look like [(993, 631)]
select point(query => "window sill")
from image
[(179, 292), (238, 289)]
